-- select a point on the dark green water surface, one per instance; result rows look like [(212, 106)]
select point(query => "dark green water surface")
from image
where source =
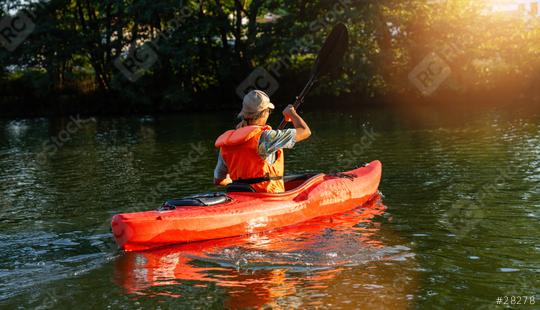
[(457, 226)]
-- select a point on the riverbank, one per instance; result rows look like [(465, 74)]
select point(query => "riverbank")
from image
[(115, 104)]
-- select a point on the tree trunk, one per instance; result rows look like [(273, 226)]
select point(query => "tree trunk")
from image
[(223, 23)]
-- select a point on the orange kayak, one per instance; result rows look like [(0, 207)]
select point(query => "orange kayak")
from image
[(220, 215)]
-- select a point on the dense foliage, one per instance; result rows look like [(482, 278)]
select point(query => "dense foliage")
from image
[(195, 54)]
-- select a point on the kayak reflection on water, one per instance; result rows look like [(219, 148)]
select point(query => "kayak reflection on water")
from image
[(279, 266)]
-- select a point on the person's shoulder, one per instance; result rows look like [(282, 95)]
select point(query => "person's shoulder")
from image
[(278, 134), (270, 133), (285, 132), (280, 131)]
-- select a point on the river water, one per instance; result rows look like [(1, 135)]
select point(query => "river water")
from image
[(456, 224)]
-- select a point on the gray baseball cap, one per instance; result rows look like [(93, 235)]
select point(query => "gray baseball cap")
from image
[(255, 102)]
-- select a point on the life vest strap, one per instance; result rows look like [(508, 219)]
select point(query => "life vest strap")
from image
[(258, 180)]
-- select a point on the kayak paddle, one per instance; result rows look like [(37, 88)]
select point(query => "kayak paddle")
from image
[(328, 59)]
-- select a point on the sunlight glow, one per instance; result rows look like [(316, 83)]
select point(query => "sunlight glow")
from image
[(525, 6)]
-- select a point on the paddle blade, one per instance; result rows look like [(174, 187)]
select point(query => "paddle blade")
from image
[(328, 60), (332, 51)]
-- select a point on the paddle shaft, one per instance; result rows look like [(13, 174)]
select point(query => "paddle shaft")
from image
[(300, 99)]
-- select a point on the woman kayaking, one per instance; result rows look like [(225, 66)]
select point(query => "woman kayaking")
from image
[(251, 156)]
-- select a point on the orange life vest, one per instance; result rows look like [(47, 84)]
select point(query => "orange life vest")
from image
[(239, 149)]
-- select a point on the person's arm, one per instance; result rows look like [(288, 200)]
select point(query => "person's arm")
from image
[(273, 140), (302, 129), (221, 173)]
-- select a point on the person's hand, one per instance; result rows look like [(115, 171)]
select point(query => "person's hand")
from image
[(223, 182), (289, 112), (302, 129)]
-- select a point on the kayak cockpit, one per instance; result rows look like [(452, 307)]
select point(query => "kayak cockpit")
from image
[(292, 182), (210, 199)]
